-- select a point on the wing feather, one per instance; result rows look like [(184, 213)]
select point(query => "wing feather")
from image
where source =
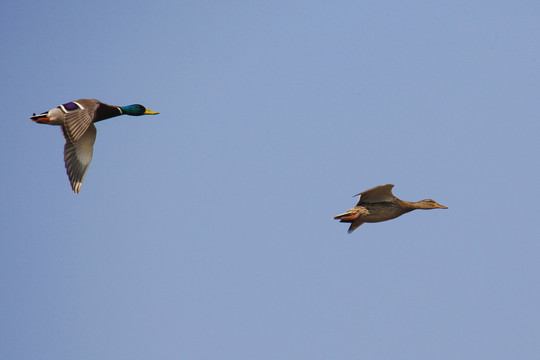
[(381, 193), (78, 155), (76, 122)]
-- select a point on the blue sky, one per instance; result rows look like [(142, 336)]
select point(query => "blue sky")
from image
[(206, 232)]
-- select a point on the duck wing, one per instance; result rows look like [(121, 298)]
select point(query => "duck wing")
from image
[(78, 116), (381, 193), (78, 155), (354, 225)]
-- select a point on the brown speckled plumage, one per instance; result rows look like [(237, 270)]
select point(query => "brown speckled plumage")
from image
[(379, 204)]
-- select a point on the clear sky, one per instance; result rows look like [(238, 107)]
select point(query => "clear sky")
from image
[(206, 232)]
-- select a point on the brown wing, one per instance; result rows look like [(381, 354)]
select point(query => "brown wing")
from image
[(76, 122), (381, 193), (78, 155), (354, 225)]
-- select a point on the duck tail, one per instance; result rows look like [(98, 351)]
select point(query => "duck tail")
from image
[(338, 217), (351, 217), (41, 118), (348, 216)]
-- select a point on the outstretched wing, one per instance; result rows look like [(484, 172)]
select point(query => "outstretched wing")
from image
[(78, 155), (354, 226), (78, 116), (381, 193)]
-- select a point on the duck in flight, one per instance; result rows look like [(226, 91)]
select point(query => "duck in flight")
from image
[(77, 120), (379, 204)]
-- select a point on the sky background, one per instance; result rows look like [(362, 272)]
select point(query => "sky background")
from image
[(206, 232)]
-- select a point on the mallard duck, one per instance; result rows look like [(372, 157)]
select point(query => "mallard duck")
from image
[(379, 204), (76, 119)]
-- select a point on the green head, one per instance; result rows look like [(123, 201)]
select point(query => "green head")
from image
[(136, 110)]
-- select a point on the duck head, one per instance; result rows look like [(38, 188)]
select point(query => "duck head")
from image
[(428, 204), (136, 110)]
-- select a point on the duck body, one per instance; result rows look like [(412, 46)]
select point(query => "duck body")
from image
[(87, 109), (379, 204), (77, 120), (377, 212)]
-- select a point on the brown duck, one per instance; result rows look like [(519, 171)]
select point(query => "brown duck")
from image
[(379, 204)]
